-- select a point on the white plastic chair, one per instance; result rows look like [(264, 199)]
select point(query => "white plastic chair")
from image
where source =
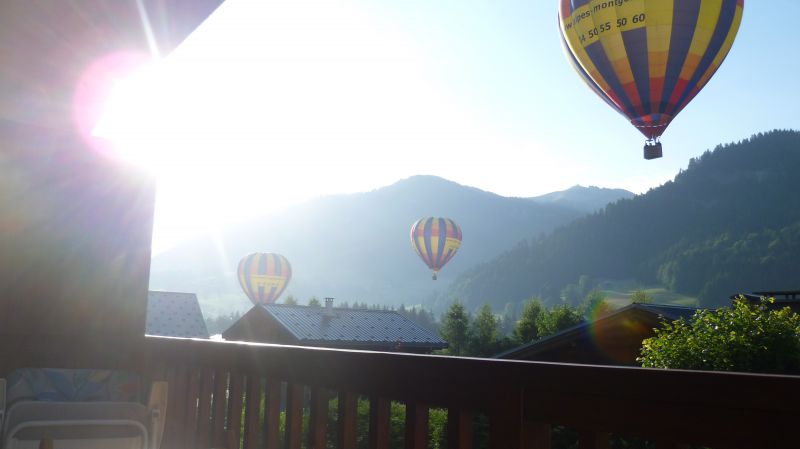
[(28, 423)]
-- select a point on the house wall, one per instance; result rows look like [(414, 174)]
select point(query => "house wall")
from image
[(75, 233), (75, 223)]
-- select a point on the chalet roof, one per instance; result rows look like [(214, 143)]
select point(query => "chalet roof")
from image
[(174, 314), (665, 310), (784, 297), (655, 312), (360, 326)]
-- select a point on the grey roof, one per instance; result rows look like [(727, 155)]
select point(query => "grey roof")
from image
[(356, 326), (669, 312), (173, 314)]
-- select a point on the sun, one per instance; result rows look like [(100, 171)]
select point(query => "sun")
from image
[(261, 108), (129, 119), (157, 119)]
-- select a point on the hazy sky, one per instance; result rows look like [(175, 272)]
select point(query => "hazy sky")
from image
[(273, 102)]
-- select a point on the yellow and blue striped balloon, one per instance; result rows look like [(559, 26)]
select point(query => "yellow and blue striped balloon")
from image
[(648, 58), (436, 240), (264, 276)]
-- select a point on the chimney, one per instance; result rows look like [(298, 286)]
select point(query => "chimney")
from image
[(328, 306)]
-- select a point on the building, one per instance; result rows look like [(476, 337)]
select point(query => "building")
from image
[(612, 339), (376, 330), (173, 314), (790, 299)]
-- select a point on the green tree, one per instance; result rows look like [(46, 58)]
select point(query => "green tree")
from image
[(508, 319), (594, 305), (527, 328), (314, 302), (484, 333), (455, 329), (743, 337), (641, 297), (221, 323), (574, 294), (290, 300), (557, 319)]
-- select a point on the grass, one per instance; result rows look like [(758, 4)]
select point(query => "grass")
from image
[(618, 294)]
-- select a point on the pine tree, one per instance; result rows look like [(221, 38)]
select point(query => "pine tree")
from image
[(527, 328), (455, 329), (484, 333)]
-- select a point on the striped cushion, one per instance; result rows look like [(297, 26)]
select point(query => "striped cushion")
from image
[(46, 384)]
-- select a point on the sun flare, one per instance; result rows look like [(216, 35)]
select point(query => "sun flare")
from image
[(271, 103)]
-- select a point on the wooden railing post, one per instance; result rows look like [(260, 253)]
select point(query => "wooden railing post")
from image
[(417, 426), (505, 421), (459, 429), (204, 424), (174, 427), (670, 445), (318, 421), (272, 412), (593, 440), (190, 430), (233, 431), (294, 416), (379, 421), (347, 425), (219, 407), (252, 437), (537, 435)]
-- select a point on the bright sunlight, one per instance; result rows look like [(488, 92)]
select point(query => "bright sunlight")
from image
[(272, 103)]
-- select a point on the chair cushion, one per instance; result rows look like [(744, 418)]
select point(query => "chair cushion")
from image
[(84, 385)]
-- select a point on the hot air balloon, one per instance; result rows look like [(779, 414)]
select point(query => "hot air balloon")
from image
[(264, 276), (648, 58), (436, 241)]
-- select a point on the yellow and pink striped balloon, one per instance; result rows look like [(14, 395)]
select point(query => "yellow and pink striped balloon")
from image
[(264, 276), (436, 240), (648, 58)]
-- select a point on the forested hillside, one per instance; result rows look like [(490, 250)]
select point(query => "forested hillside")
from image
[(728, 223)]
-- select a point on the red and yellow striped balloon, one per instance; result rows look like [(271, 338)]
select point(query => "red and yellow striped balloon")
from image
[(436, 240), (649, 58), (264, 276)]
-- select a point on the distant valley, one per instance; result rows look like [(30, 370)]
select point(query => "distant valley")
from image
[(729, 223), (356, 247)]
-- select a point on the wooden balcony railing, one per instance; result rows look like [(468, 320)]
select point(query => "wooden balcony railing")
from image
[(231, 395)]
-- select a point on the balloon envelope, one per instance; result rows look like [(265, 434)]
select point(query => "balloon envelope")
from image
[(264, 276), (436, 240), (649, 58)]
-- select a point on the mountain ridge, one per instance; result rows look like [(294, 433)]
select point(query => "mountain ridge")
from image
[(584, 199), (720, 227), (356, 247)]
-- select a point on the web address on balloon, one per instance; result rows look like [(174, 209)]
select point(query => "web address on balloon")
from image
[(587, 12)]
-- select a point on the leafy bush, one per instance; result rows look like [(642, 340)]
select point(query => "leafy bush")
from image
[(744, 337)]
